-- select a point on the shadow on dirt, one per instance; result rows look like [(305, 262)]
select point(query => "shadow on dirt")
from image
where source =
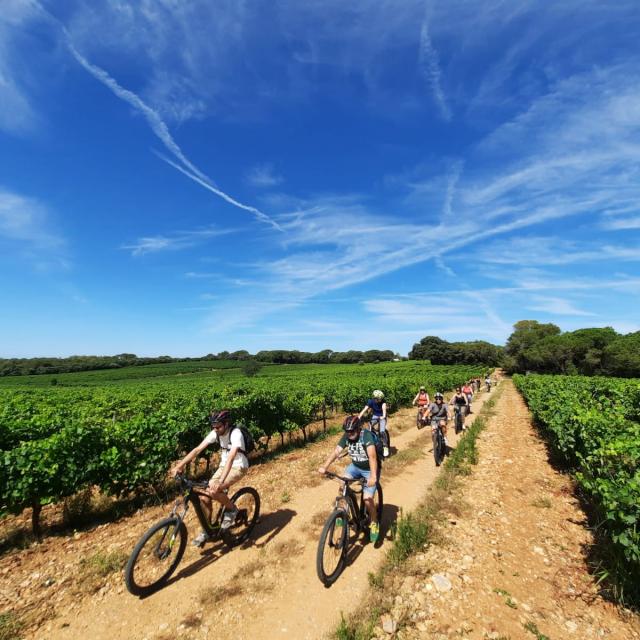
[(268, 527)]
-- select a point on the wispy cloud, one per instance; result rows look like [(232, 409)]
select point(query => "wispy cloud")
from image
[(430, 66), (556, 307), (264, 176), (621, 224), (174, 242)]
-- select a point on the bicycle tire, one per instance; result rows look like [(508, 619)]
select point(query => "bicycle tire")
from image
[(459, 420), (142, 577), (438, 446), (247, 500), (334, 540)]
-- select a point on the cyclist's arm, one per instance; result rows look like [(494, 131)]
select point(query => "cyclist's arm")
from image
[(329, 461), (363, 412), (373, 465), (179, 466), (384, 410), (416, 398)]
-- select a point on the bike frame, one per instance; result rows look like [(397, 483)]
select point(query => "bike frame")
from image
[(191, 496), (347, 500)]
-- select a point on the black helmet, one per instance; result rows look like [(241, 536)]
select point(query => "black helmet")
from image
[(220, 416), (351, 423)]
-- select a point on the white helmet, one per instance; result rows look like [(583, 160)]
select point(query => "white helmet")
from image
[(377, 394)]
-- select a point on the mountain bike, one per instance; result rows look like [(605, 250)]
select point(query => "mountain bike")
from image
[(437, 438), (384, 436), (349, 513), (158, 552)]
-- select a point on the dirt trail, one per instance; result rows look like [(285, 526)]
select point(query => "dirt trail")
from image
[(516, 562), (268, 589)]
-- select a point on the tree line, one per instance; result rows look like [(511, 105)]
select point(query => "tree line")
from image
[(37, 366)]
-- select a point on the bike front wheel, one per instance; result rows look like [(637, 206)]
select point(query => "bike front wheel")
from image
[(247, 500), (332, 547), (438, 446), (155, 556)]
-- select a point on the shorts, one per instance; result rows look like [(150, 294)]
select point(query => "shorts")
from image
[(356, 472), (435, 422), (382, 422), (235, 473)]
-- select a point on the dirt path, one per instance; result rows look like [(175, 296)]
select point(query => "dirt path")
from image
[(267, 590), (515, 562)]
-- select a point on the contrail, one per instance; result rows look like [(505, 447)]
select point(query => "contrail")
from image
[(206, 183), (157, 125), (431, 68)]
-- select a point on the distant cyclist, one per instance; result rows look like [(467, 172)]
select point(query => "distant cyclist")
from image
[(487, 382), (233, 465), (378, 408), (467, 389), (422, 401), (459, 400), (439, 414), (361, 446)]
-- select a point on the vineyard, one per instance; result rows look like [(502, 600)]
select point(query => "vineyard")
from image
[(593, 424), (56, 441)]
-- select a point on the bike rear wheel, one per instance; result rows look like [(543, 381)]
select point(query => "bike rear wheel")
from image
[(155, 556), (247, 500), (459, 420), (332, 547)]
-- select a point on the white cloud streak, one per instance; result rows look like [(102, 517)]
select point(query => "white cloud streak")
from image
[(174, 242), (430, 66)]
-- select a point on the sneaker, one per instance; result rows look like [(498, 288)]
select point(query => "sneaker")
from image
[(374, 532), (385, 452), (339, 523), (200, 539), (229, 518)]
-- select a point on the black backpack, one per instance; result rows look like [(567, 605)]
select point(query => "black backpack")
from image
[(378, 443), (249, 442)]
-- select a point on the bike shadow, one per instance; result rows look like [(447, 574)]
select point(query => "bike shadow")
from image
[(388, 525), (267, 528)]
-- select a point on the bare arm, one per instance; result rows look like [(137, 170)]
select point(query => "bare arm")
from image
[(329, 461), (373, 465), (179, 466)]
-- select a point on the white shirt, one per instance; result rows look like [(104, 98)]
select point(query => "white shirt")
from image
[(228, 440)]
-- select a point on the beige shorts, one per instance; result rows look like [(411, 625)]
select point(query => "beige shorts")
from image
[(235, 473)]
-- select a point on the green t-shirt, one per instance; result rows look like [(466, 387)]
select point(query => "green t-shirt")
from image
[(358, 449)]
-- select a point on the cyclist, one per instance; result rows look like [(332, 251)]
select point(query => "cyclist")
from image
[(487, 382), (459, 399), (468, 392), (439, 414), (378, 408), (423, 402), (361, 446), (233, 465)]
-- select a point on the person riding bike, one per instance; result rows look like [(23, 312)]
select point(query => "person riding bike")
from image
[(361, 445), (439, 414), (467, 389), (233, 465), (487, 382), (423, 402), (378, 408), (459, 399)]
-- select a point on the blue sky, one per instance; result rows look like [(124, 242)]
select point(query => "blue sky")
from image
[(187, 177)]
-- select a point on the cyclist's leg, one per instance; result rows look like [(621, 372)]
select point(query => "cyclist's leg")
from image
[(221, 496), (367, 494)]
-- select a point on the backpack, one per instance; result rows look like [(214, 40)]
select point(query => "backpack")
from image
[(249, 442), (378, 444)]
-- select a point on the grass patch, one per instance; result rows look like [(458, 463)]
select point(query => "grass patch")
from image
[(10, 626), (531, 627), (95, 568), (542, 503)]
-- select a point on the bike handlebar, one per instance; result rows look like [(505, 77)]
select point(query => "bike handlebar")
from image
[(335, 476), (185, 483)]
